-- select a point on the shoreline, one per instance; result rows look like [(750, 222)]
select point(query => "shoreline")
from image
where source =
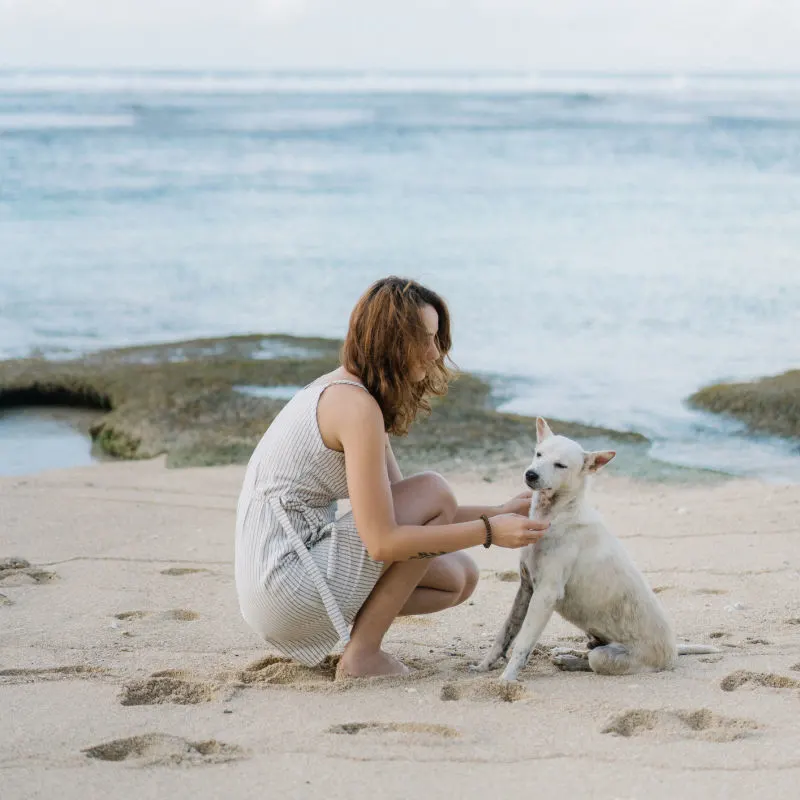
[(208, 401), (633, 460)]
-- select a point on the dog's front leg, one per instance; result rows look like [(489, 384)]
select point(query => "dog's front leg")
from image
[(540, 609), (512, 624)]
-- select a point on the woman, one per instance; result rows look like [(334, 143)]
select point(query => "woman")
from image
[(304, 576)]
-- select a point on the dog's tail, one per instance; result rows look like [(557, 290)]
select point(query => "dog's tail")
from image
[(696, 649)]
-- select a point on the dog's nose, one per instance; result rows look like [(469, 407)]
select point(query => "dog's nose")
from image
[(531, 476)]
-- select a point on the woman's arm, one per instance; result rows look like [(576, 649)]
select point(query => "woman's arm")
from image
[(520, 504), (351, 417), (392, 467), (360, 429)]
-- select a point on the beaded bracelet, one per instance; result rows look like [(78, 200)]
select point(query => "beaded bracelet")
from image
[(488, 542)]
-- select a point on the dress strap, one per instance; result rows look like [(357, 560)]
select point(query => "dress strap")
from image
[(348, 382)]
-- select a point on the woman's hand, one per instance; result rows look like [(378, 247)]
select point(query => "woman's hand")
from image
[(520, 504), (514, 530)]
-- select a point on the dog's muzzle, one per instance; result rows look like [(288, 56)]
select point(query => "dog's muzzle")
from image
[(532, 479)]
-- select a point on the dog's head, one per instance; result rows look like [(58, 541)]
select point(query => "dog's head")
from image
[(561, 465)]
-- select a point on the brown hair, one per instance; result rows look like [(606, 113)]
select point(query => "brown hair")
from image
[(385, 337)]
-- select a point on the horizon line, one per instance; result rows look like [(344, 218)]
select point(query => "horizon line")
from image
[(415, 71)]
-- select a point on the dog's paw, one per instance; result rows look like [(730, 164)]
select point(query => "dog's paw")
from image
[(566, 651), (491, 661), (510, 674), (555, 652), (484, 666), (569, 662)]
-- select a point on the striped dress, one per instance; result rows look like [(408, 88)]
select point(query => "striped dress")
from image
[(301, 573)]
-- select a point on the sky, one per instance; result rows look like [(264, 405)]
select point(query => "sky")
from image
[(613, 35)]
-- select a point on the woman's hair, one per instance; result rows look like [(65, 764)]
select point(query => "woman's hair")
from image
[(386, 338)]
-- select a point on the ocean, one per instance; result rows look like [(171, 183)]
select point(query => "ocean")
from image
[(607, 244)]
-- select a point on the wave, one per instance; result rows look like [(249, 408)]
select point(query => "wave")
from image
[(289, 120), (761, 120), (582, 87), (259, 83), (316, 122)]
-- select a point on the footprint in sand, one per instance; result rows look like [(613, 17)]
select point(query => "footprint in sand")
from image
[(183, 688), (508, 576), (184, 570), (406, 728), (483, 689), (5, 601), (32, 674), (180, 615), (698, 724), (707, 591), (281, 671), (18, 572), (128, 615), (169, 686), (718, 634), (176, 614), (736, 679), (160, 748)]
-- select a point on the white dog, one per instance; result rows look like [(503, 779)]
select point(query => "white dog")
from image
[(581, 570)]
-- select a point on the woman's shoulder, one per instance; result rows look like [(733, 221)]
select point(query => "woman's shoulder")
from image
[(342, 383), (345, 401), (335, 376), (350, 394)]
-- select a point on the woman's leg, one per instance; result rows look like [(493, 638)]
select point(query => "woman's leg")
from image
[(409, 587), (449, 581)]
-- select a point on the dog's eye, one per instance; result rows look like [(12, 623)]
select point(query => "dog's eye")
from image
[(559, 465), (538, 455)]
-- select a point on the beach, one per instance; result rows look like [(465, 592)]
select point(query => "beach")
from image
[(126, 669), (619, 253)]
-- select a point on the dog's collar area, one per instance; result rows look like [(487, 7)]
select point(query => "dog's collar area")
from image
[(546, 508)]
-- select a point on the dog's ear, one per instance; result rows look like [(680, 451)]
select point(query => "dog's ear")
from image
[(598, 459), (542, 429)]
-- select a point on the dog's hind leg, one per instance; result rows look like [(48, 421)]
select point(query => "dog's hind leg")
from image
[(614, 659), (512, 624)]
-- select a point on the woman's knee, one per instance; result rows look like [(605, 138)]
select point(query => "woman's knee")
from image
[(471, 576), (423, 499), (455, 573), (444, 500)]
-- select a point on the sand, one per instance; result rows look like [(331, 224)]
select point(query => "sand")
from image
[(126, 671)]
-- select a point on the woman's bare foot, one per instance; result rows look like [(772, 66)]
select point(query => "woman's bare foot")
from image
[(371, 664)]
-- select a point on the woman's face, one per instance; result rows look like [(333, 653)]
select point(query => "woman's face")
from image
[(430, 319)]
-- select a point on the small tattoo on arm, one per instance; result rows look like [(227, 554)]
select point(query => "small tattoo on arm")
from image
[(428, 555)]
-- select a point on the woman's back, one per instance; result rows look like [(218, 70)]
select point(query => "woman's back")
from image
[(300, 575), (292, 460)]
